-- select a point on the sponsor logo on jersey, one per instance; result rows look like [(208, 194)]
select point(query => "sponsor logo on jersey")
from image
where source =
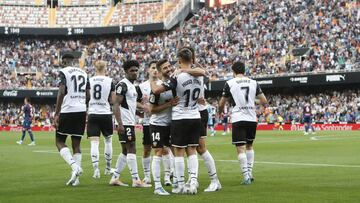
[(118, 90)]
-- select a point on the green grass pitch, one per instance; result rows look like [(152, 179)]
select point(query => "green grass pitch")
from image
[(290, 167)]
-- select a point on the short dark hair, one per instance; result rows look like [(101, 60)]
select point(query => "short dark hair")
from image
[(160, 63), (238, 67), (130, 63), (185, 54), (192, 51), (152, 62)]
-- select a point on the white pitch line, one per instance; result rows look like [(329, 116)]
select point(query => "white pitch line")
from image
[(236, 161)]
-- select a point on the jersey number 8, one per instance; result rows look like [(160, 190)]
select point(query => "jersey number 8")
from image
[(97, 91)]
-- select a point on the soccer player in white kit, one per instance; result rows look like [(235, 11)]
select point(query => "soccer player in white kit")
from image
[(125, 112), (102, 93), (201, 149), (70, 112), (186, 123), (143, 91), (160, 121), (243, 92)]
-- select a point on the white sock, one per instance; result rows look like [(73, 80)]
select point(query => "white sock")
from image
[(66, 155), (250, 154), (77, 158), (166, 163), (193, 167), (146, 166), (172, 160), (108, 151), (120, 165), (210, 165), (94, 151), (132, 164), (179, 168), (244, 165), (155, 169)]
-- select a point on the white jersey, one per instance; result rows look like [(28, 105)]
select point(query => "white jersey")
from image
[(100, 92), (162, 118), (76, 83), (243, 92), (187, 88), (202, 95), (128, 105), (144, 95)]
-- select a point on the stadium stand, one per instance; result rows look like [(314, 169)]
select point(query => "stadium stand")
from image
[(24, 16), (263, 35)]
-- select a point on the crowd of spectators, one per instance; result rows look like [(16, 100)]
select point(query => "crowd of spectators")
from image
[(326, 107), (10, 114), (262, 33)]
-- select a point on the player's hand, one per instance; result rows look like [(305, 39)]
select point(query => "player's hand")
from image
[(121, 130), (56, 121), (201, 101), (174, 101), (146, 109)]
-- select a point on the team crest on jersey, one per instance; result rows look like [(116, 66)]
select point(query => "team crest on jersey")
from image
[(152, 98), (154, 144), (119, 89), (129, 138)]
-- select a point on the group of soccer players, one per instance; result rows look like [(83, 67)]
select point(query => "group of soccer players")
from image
[(175, 120)]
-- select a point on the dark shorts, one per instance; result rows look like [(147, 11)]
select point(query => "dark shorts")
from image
[(72, 124), (128, 135), (27, 124), (185, 132), (225, 120), (204, 121), (99, 123), (146, 135), (307, 119), (160, 136), (243, 132)]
